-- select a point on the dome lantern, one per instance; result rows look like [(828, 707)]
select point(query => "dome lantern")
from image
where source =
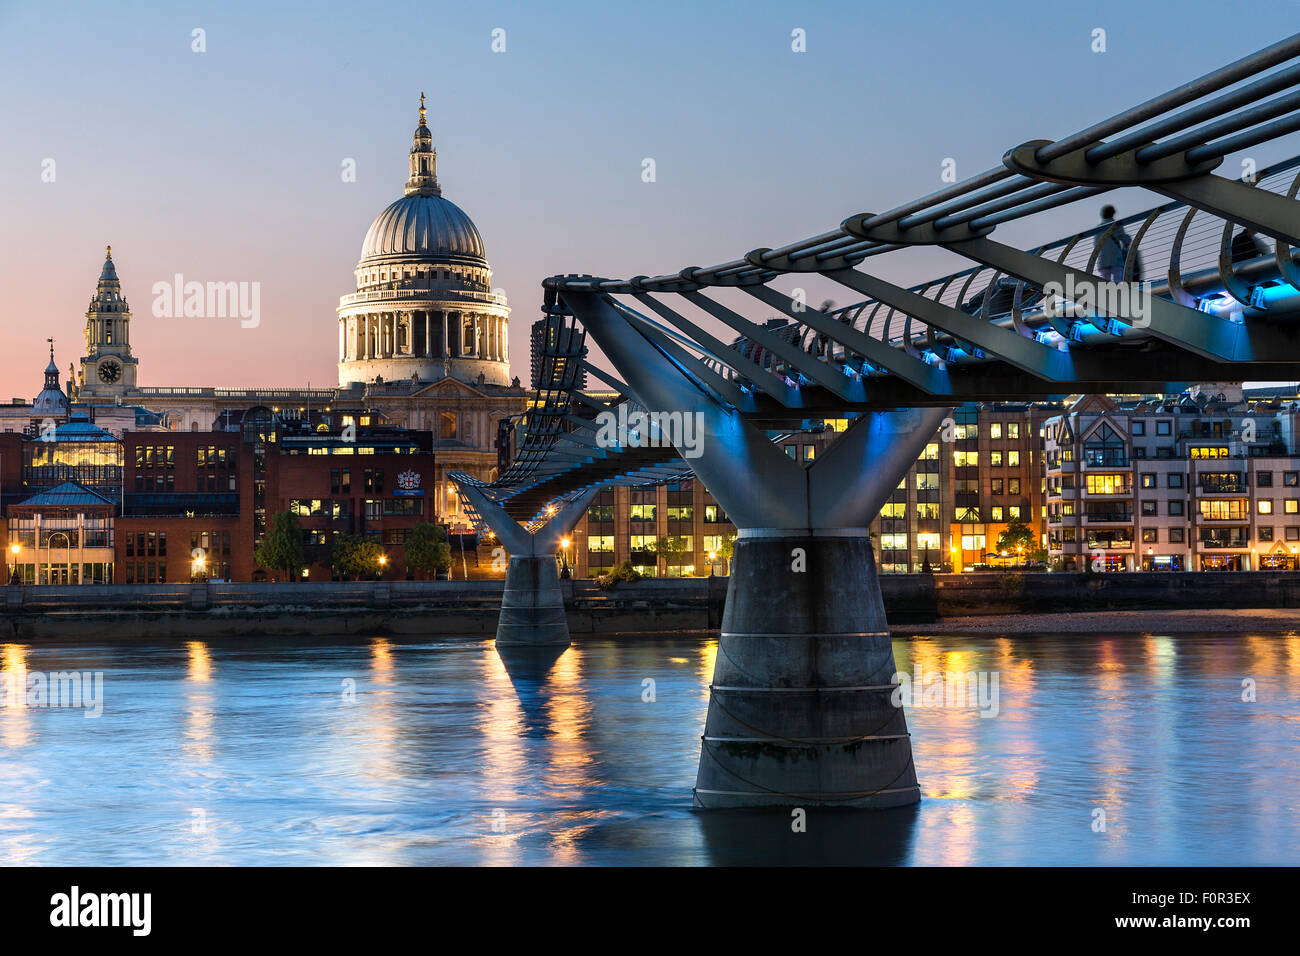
[(424, 161)]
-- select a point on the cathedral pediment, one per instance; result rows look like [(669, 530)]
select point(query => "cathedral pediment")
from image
[(449, 388)]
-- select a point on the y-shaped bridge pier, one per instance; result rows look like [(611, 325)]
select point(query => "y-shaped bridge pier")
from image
[(532, 606), (799, 707)]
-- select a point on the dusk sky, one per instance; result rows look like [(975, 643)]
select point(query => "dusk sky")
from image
[(226, 165)]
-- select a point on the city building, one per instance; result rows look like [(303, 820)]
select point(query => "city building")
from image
[(379, 483), (63, 535), (1209, 480), (982, 473), (422, 345), (544, 334)]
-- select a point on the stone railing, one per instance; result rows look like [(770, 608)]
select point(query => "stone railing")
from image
[(447, 293)]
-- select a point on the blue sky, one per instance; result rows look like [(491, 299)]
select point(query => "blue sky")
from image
[(225, 165)]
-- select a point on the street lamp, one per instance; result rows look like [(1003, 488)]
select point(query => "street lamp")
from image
[(383, 563), (197, 567), (15, 549), (564, 558), (713, 557)]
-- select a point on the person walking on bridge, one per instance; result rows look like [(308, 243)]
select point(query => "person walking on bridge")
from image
[(1114, 243)]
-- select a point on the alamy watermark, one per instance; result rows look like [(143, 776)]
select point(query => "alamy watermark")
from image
[(635, 429), (21, 688), (947, 689), (208, 300), (1129, 301)]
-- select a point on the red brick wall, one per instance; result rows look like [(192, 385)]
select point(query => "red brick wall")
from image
[(310, 478), (11, 480)]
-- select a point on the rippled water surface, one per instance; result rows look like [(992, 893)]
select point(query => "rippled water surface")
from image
[(391, 751)]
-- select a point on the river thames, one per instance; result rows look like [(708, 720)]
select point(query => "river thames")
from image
[(396, 751)]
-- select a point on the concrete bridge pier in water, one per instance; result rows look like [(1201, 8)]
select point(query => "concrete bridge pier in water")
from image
[(532, 605), (800, 708)]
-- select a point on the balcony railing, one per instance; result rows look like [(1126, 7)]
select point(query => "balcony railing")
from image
[(1108, 517), (1216, 485), (1223, 541), (1110, 544)]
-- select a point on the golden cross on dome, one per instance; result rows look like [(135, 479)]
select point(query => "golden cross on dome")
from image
[(422, 107)]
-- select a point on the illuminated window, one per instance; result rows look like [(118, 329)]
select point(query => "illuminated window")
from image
[(1223, 509), (1103, 484)]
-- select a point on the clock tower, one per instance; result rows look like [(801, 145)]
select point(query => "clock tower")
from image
[(107, 368)]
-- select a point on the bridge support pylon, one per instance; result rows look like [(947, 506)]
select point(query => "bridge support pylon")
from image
[(532, 605), (801, 709)]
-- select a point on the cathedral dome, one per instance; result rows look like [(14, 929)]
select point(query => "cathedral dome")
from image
[(425, 227), (424, 308)]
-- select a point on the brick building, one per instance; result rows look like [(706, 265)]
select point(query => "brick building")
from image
[(186, 510), (379, 484)]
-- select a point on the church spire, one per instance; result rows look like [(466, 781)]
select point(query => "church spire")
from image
[(424, 160), (52, 370)]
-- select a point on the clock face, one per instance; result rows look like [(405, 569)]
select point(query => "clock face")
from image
[(109, 372)]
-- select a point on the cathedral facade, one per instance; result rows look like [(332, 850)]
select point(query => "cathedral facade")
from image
[(422, 344)]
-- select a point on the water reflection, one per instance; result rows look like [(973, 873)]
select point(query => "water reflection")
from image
[(833, 837), (15, 722), (199, 742), (453, 751)]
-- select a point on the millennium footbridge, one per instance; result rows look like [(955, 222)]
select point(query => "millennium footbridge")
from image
[(800, 708)]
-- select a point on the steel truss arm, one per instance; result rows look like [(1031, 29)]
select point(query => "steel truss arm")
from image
[(1204, 334), (926, 377), (516, 539)]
